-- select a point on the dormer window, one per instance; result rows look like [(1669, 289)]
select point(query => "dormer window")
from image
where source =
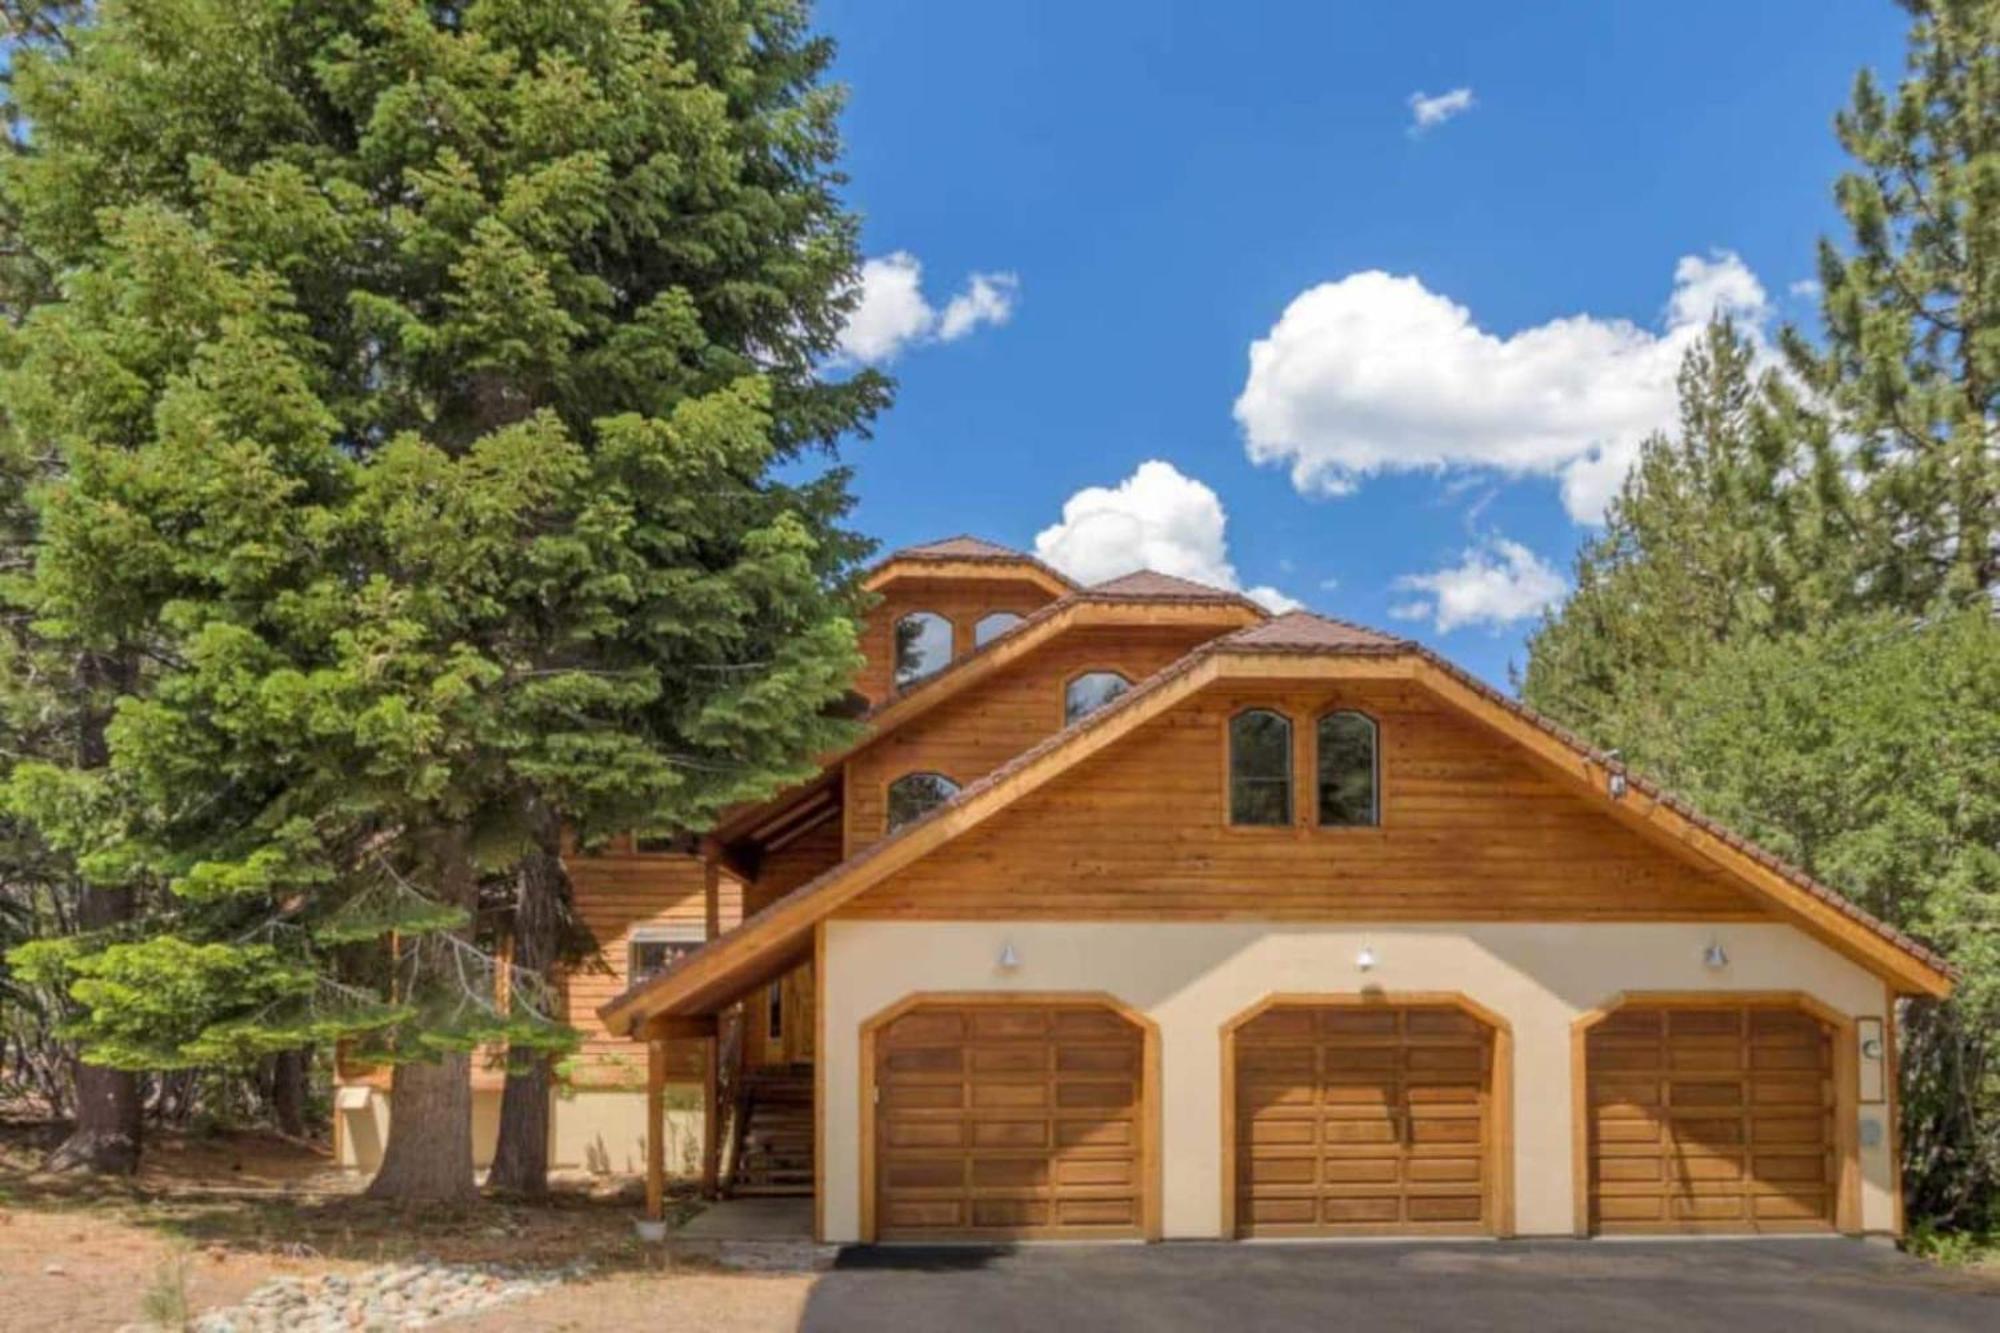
[(915, 795), (923, 646), (1090, 692), (1260, 769), (1349, 771), (990, 627)]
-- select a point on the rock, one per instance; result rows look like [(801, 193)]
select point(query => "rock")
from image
[(54, 1269)]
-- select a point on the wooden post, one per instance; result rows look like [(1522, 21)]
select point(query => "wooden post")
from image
[(711, 885), (711, 1116), (656, 1144)]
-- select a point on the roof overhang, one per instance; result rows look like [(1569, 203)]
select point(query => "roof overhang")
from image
[(729, 966), (1019, 568)]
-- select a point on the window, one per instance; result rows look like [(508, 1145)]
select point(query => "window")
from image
[(915, 795), (923, 646), (1090, 692), (993, 626), (656, 948), (1260, 768), (1347, 771)]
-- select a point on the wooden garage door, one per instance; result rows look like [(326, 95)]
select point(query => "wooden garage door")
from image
[(1007, 1120), (1363, 1118), (1711, 1119)]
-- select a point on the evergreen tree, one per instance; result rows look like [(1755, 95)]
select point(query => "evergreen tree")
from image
[(421, 394), (1910, 369)]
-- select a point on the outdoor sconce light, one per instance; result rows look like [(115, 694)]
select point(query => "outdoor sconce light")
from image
[(1617, 786), (1616, 783), (1365, 960), (1715, 956), (1009, 960)]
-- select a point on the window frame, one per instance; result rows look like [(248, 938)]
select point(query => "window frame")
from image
[(1290, 824), (977, 642), (1338, 709), (890, 828), (692, 933), (896, 682), (1070, 682)]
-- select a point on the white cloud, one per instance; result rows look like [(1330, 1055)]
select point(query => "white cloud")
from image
[(1806, 288), (893, 313), (988, 298), (1376, 373), (1427, 112), (1496, 583), (1154, 519)]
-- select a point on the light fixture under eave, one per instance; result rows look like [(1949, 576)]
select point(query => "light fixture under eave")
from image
[(1365, 960), (1715, 956), (1009, 960)]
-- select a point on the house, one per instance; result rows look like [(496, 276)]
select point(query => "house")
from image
[(1137, 912)]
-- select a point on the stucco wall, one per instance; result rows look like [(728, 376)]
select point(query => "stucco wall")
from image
[(1191, 978), (603, 1132)]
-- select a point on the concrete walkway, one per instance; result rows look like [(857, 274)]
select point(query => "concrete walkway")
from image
[(751, 1219)]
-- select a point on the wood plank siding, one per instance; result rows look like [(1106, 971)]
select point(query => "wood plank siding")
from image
[(968, 737), (1469, 832), (961, 601)]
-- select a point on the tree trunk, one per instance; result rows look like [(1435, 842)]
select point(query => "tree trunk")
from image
[(521, 1162), (288, 1093), (428, 1158)]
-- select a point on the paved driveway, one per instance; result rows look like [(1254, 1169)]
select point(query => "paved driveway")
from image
[(1766, 1286)]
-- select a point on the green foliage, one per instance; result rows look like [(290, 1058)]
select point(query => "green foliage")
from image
[(419, 420)]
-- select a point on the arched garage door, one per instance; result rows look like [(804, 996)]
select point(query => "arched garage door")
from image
[(1711, 1118), (1370, 1118), (1018, 1118)]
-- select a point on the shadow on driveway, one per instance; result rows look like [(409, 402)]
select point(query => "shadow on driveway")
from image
[(1526, 1286)]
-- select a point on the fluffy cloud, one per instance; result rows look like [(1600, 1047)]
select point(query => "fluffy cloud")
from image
[(893, 312), (1376, 373), (1426, 112), (1154, 519), (1495, 583)]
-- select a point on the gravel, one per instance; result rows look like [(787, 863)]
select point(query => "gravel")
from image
[(394, 1296)]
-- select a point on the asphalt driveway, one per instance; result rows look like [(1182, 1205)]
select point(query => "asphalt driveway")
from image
[(1783, 1286)]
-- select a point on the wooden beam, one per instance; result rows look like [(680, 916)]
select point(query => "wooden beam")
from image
[(711, 1116), (711, 887), (656, 1143), (680, 1027)]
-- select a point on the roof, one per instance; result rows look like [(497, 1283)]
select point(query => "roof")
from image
[(1151, 585), (1294, 644), (966, 554), (962, 547)]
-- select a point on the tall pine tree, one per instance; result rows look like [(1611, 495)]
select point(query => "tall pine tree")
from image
[(420, 388)]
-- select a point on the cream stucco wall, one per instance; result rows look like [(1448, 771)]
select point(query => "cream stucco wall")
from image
[(602, 1131), (1191, 978)]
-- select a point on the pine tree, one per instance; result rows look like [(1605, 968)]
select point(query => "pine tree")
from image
[(423, 395), (1910, 369), (1733, 526)]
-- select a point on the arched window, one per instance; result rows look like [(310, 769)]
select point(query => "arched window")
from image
[(923, 646), (1260, 768), (993, 626), (915, 795), (1090, 692), (1349, 772)]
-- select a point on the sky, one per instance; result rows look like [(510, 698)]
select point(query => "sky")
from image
[(1358, 307)]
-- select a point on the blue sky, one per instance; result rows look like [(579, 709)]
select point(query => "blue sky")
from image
[(1082, 218)]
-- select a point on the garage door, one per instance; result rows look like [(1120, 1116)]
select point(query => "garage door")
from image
[(1711, 1119), (1364, 1118), (1009, 1120)]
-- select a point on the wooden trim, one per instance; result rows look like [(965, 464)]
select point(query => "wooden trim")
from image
[(1892, 1082), (680, 1027), (1500, 1151), (1665, 826), (711, 887), (711, 1116), (1151, 1183), (819, 1082), (992, 570), (656, 1147), (1845, 1075)]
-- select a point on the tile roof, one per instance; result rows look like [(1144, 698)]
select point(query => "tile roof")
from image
[(1306, 632), (1152, 585), (961, 547)]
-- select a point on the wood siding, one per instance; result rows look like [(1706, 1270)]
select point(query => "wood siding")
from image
[(968, 737), (964, 602), (1469, 832), (616, 894), (780, 872)]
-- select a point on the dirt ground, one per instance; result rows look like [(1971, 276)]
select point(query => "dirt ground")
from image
[(237, 1209)]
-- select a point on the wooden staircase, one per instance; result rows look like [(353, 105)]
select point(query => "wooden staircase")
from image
[(775, 1156)]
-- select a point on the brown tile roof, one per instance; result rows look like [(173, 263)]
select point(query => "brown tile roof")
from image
[(1304, 631), (1153, 586), (962, 547)]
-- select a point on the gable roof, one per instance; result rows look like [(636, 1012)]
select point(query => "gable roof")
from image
[(966, 556), (1296, 646), (962, 547)]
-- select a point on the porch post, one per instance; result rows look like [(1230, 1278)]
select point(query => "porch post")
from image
[(656, 1147), (711, 1115), (711, 886)]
